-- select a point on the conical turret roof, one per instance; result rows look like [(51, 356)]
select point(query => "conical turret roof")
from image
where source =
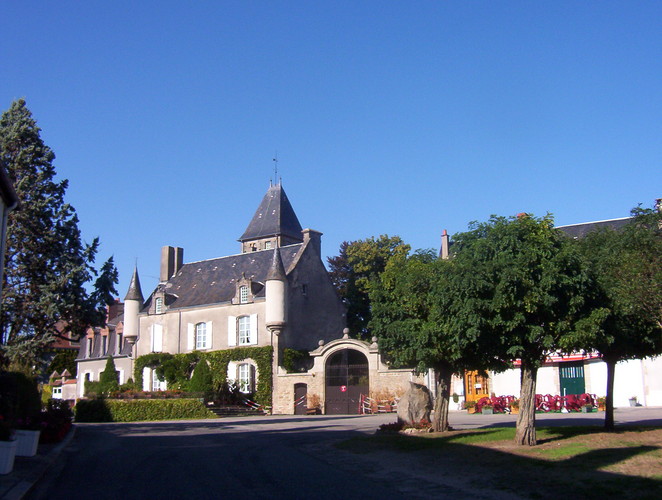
[(274, 217), (134, 293), (276, 271)]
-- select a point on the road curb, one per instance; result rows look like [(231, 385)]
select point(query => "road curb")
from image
[(20, 489)]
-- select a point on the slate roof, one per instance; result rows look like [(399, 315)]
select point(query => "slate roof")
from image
[(274, 217), (214, 281), (581, 230), (134, 293)]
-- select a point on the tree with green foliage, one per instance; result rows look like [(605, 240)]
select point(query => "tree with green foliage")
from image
[(627, 265), (355, 269), (520, 288), (48, 267), (410, 316), (109, 378)]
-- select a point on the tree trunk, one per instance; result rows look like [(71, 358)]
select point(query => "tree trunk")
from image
[(443, 376), (609, 407), (526, 420)]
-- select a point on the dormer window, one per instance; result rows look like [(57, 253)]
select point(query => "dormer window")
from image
[(158, 305), (243, 294)]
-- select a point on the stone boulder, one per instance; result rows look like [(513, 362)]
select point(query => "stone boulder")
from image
[(415, 405)]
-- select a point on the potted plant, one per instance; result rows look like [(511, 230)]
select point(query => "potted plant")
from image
[(470, 406), (314, 405), (487, 410), (602, 403), (633, 401), (7, 447), (514, 406)]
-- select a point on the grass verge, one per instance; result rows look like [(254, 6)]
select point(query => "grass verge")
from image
[(576, 462)]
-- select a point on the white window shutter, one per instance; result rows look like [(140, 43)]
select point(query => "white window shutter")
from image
[(147, 378), (191, 336), (232, 371), (209, 335), (157, 336), (232, 331), (253, 329), (120, 374), (151, 336)]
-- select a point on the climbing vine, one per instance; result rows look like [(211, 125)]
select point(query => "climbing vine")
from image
[(177, 368)]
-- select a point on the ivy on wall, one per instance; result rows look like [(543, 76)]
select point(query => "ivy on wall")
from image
[(263, 357), (177, 368)]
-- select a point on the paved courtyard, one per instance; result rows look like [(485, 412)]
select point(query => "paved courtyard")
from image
[(257, 457)]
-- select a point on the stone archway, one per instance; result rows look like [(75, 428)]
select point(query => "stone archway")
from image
[(346, 376)]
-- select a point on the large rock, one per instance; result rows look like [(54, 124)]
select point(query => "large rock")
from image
[(416, 404)]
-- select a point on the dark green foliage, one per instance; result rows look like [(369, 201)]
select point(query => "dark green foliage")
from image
[(48, 266), (180, 366), (112, 410), (353, 272), (409, 316), (109, 379), (201, 379), (93, 389), (64, 360), (295, 361), (521, 290), (20, 399), (627, 266), (263, 357)]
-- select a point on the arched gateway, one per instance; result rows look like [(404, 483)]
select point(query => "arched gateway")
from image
[(346, 378)]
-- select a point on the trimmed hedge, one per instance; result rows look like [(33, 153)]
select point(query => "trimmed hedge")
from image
[(135, 410)]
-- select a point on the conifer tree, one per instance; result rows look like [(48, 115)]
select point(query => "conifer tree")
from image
[(47, 264), (201, 381), (109, 378)]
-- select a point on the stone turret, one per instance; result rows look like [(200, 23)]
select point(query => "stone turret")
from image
[(132, 303), (275, 291)]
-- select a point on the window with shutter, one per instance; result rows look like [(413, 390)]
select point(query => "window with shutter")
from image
[(201, 336), (246, 377), (244, 330)]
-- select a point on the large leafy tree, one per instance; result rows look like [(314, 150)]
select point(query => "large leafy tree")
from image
[(48, 266), (628, 267), (354, 271), (410, 315), (520, 288)]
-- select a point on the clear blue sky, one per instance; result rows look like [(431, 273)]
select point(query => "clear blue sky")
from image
[(399, 118)]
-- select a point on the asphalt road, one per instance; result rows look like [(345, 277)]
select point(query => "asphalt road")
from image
[(255, 457)]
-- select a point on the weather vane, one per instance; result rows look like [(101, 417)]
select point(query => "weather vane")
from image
[(275, 160)]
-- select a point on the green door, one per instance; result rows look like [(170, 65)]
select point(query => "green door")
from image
[(572, 378)]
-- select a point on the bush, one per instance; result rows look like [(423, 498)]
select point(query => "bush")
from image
[(109, 410), (92, 389), (201, 379), (19, 397), (55, 421)]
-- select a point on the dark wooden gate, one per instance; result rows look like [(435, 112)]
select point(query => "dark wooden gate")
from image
[(300, 399), (346, 377)]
